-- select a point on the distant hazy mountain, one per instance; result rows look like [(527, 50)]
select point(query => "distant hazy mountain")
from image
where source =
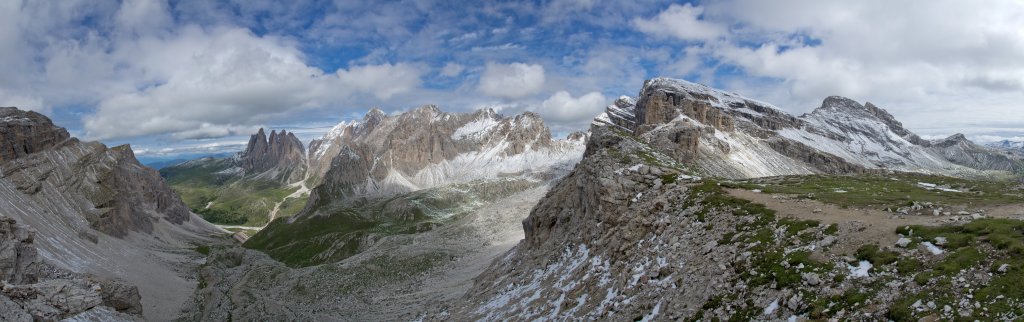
[(1015, 147), (163, 162)]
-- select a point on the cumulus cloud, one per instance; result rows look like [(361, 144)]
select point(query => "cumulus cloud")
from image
[(512, 81), (22, 102), (382, 81), (935, 74), (562, 107), (682, 22), (214, 82)]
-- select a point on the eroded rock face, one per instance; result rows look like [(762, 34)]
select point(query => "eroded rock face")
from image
[(283, 154), (728, 135), (26, 132), (124, 195), (18, 257), (35, 291), (97, 211), (425, 147), (659, 105)]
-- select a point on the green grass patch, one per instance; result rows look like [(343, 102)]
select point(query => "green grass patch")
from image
[(876, 255), (795, 226), (985, 244)]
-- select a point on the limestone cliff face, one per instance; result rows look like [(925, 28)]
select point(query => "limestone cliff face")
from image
[(97, 211), (119, 194), (425, 147), (728, 135), (712, 130), (25, 132), (282, 153)]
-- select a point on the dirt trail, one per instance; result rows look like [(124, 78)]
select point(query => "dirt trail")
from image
[(878, 226)]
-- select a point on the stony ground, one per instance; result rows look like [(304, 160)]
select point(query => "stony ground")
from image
[(393, 278), (629, 236)]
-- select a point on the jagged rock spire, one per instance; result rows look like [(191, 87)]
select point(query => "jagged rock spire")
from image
[(281, 149)]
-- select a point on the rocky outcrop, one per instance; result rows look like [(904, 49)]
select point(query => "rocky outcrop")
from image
[(728, 135), (26, 132), (18, 257), (282, 154), (384, 155), (35, 291), (577, 136), (612, 240), (123, 195), (99, 212)]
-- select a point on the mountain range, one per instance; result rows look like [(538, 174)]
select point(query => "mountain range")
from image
[(684, 202)]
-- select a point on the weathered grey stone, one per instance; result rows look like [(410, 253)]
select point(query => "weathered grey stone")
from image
[(26, 132), (19, 262)]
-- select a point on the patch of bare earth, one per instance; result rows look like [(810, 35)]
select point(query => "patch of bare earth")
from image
[(861, 226)]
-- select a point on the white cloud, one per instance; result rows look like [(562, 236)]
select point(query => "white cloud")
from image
[(511, 81), (682, 22), (25, 103), (452, 70), (210, 83), (563, 108), (936, 74), (141, 17), (383, 81)]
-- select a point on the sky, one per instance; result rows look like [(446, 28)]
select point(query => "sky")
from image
[(180, 78)]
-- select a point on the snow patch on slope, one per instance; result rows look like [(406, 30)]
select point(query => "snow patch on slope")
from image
[(475, 128)]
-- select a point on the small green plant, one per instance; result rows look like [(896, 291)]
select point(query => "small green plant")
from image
[(203, 249), (875, 255)]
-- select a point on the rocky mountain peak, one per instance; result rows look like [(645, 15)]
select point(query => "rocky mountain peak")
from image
[(282, 149), (834, 107), (374, 115), (840, 103), (429, 109), (485, 113), (577, 136), (427, 147), (26, 132), (957, 137), (370, 121), (625, 102)]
